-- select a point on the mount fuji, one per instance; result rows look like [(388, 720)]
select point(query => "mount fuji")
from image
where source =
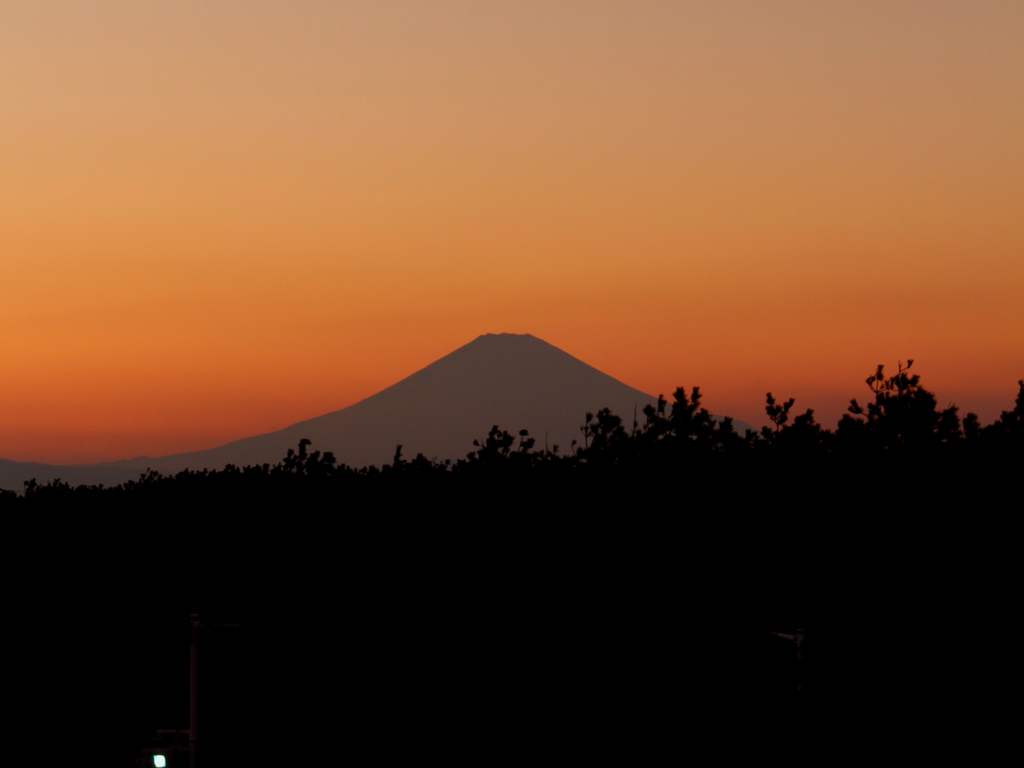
[(514, 381)]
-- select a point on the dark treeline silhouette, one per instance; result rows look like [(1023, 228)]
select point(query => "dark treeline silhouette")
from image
[(901, 428), (613, 597)]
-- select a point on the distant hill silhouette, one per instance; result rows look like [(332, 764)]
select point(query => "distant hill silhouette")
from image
[(13, 474), (515, 381)]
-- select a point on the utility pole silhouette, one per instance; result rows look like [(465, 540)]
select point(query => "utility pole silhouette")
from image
[(800, 641), (193, 714), (193, 709)]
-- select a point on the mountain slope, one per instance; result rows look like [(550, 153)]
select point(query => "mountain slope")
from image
[(13, 474), (514, 381)]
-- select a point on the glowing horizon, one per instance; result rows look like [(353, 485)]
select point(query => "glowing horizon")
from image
[(219, 219)]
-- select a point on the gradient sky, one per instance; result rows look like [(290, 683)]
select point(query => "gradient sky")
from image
[(219, 218)]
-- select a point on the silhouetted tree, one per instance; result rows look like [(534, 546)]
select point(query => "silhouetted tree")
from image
[(901, 423)]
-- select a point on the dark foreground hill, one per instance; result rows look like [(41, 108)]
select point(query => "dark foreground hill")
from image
[(605, 602)]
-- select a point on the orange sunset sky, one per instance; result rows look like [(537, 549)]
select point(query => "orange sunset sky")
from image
[(219, 218)]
